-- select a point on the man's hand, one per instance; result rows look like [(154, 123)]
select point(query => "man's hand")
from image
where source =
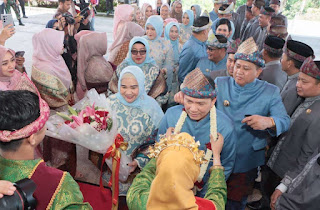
[(274, 197), (216, 147), (6, 33), (258, 122), (6, 188), (133, 166), (178, 97)]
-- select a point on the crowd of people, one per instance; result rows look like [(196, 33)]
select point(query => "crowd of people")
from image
[(222, 97)]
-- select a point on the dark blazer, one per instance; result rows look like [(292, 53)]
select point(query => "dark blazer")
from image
[(301, 141), (273, 74), (290, 97)]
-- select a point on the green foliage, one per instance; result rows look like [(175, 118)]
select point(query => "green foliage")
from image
[(310, 10)]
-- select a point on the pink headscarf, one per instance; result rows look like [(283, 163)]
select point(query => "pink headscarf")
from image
[(144, 8), (90, 46), (80, 34), (8, 83), (127, 31), (122, 14), (47, 49)]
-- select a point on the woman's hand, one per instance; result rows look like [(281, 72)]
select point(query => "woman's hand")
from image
[(216, 147), (6, 33), (6, 188)]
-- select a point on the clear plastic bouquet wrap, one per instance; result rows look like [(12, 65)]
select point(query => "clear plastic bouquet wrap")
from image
[(92, 124)]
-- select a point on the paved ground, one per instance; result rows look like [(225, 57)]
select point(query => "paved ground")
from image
[(38, 17)]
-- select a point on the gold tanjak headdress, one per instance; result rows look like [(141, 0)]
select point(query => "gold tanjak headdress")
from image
[(178, 140)]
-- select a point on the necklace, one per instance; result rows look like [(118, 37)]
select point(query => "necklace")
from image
[(213, 132)]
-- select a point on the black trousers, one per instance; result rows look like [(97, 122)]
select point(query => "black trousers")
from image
[(22, 3)]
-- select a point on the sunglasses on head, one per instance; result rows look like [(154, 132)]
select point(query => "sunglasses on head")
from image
[(141, 52)]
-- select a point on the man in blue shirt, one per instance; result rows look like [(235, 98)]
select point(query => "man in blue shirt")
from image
[(195, 48), (217, 54), (256, 109), (198, 119)]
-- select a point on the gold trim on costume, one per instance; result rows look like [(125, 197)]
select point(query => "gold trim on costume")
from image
[(57, 191), (34, 169)]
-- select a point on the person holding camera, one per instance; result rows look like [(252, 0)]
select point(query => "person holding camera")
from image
[(23, 115), (6, 188)]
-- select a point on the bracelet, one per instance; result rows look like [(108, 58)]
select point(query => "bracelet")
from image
[(215, 167), (273, 123)]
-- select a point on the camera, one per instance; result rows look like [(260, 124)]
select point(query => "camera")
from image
[(69, 18), (22, 199)]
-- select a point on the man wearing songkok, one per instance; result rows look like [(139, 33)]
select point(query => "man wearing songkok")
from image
[(23, 115), (251, 28), (257, 111), (198, 117), (294, 55), (275, 4), (195, 48), (242, 10), (249, 19), (216, 5), (217, 56), (166, 182), (301, 142), (232, 49), (271, 54), (264, 21), (303, 191)]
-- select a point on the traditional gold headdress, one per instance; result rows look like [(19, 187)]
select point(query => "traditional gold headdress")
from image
[(178, 140)]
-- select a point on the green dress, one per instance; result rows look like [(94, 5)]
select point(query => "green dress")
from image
[(138, 193), (68, 197)]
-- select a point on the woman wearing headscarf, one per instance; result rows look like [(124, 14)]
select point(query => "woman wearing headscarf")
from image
[(196, 10), (137, 16), (51, 76), (185, 26), (93, 69), (123, 31), (165, 11), (172, 31), (167, 181), (139, 55), (146, 11), (158, 4), (10, 77), (176, 11), (138, 116), (49, 70), (160, 49)]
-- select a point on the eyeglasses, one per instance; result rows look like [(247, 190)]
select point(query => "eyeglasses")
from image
[(141, 52), (211, 49)]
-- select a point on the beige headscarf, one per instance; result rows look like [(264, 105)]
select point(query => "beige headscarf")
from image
[(176, 173), (92, 67)]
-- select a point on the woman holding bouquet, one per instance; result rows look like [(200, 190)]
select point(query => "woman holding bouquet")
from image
[(138, 116), (139, 55)]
